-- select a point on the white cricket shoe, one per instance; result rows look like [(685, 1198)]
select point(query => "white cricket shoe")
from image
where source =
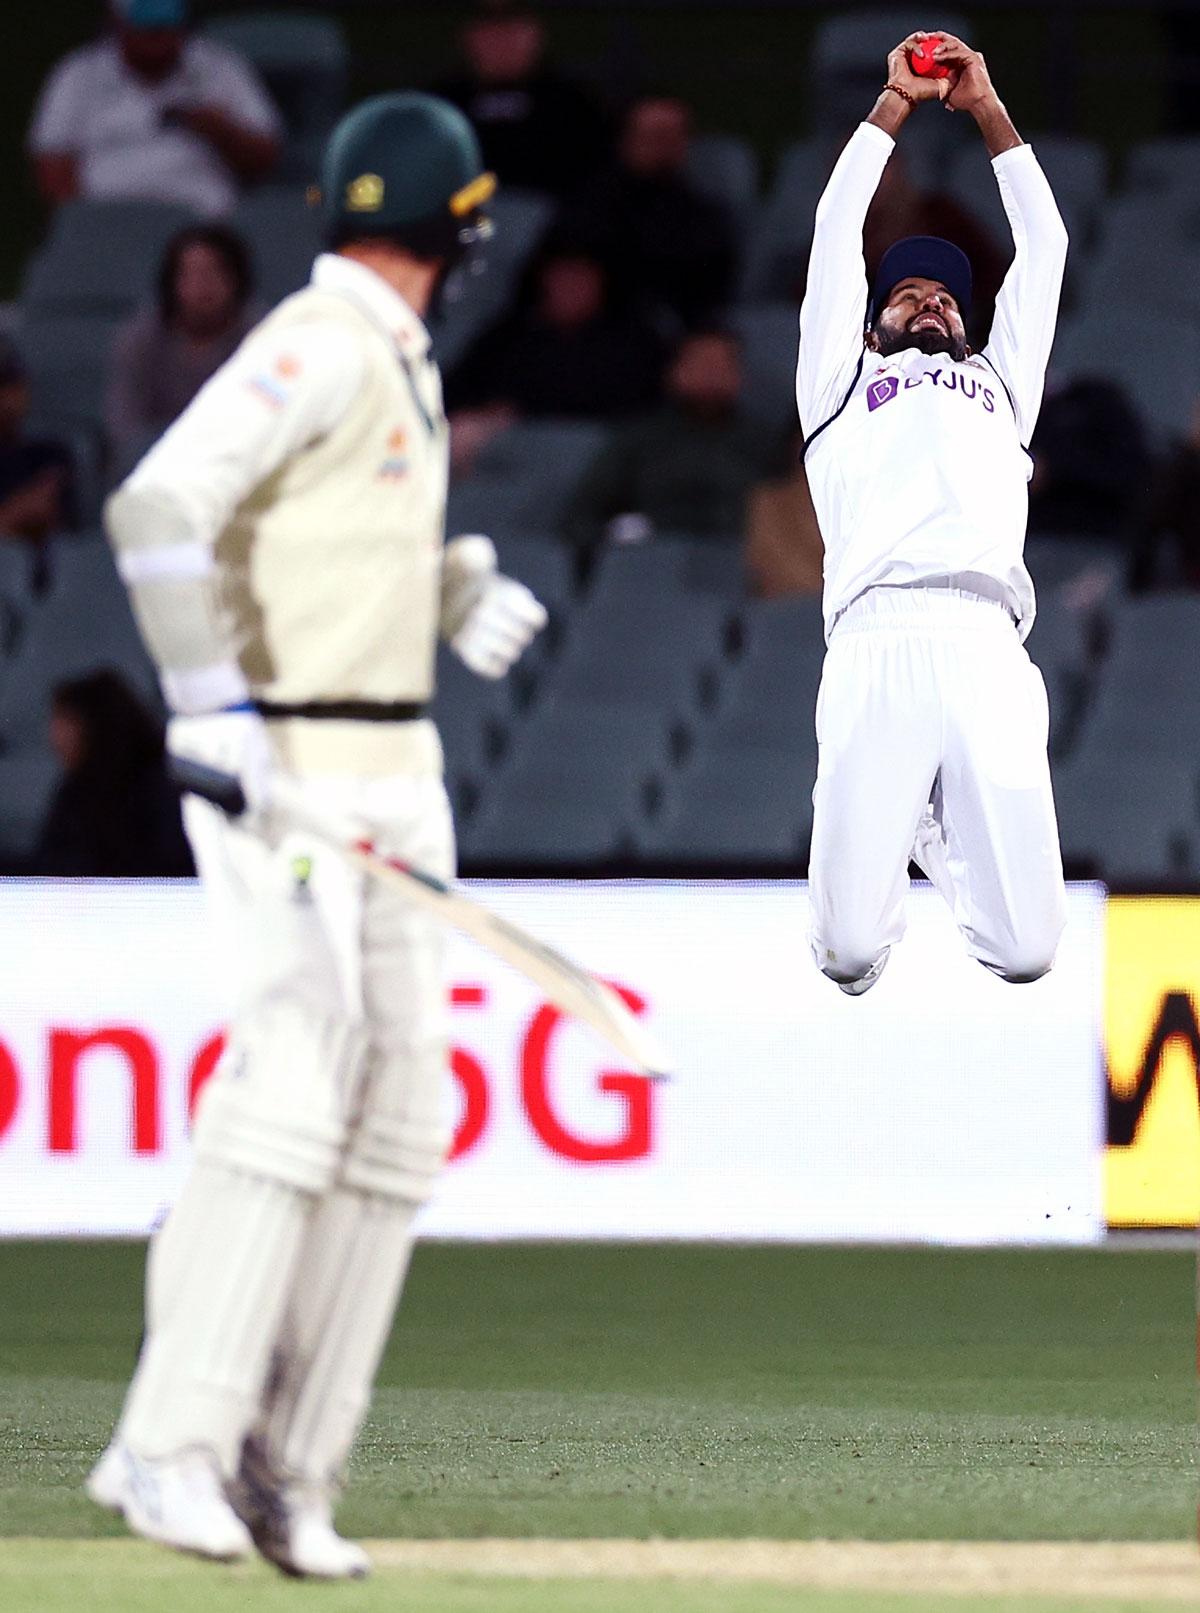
[(292, 1524), (176, 1501)]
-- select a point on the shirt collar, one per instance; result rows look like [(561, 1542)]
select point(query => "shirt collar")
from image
[(332, 272)]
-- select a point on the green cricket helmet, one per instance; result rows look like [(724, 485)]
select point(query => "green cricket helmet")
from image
[(406, 167)]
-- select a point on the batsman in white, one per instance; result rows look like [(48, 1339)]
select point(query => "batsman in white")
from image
[(931, 719), (283, 546)]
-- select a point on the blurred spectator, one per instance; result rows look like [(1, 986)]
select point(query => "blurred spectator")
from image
[(538, 128), (153, 111), (566, 351), (164, 355), (662, 240), (689, 467), (785, 553), (36, 485), (900, 207), (1090, 462), (115, 813), (1171, 519)]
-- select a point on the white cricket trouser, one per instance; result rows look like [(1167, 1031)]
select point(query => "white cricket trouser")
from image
[(273, 1282), (932, 725)]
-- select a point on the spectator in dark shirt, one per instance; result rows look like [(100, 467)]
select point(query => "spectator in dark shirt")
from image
[(567, 350), (1171, 519), (689, 467), (539, 129), (166, 353), (662, 240), (36, 491), (115, 813), (1091, 462)]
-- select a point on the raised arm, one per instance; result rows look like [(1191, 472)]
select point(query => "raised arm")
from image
[(1022, 333), (833, 312)]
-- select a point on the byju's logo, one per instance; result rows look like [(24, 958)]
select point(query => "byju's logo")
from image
[(882, 391)]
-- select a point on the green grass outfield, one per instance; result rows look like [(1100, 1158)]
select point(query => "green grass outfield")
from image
[(702, 1392)]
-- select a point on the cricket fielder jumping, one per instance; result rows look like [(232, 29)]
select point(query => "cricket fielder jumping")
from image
[(283, 546), (931, 719)]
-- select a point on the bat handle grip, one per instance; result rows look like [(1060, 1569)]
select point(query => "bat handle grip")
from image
[(223, 790)]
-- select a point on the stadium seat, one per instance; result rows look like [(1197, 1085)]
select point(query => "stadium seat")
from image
[(100, 259), (576, 783), (84, 623), (304, 61), (1078, 173), (735, 802), (770, 336), (726, 169), (1167, 166), (283, 234), (16, 595), (68, 360), (85, 445), (1148, 695), (1060, 562), (1158, 371), (474, 716), (778, 249), (524, 478), (1143, 252), (28, 776), (642, 574), (1131, 819)]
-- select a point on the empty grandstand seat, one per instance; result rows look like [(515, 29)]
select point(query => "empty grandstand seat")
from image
[(83, 623), (574, 786), (770, 337), (1144, 253), (1167, 166), (779, 241), (1059, 562), (1131, 818), (1076, 168), (634, 669), (68, 361), (473, 715), (643, 573), (1148, 695), (524, 478), (1158, 371), (27, 780), (726, 169), (283, 234), (101, 258), (304, 61), (736, 802)]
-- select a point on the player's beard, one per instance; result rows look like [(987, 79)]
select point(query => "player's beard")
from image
[(929, 342)]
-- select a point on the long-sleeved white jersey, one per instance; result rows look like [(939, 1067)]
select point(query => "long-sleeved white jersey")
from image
[(919, 466), (283, 539)]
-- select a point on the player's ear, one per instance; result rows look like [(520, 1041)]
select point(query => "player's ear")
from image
[(871, 341)]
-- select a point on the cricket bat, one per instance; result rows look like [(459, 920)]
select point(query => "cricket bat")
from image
[(563, 982)]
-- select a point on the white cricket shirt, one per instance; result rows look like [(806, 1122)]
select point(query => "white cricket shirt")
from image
[(919, 467)]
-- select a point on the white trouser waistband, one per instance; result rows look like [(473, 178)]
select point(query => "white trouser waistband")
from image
[(927, 606), (304, 745)]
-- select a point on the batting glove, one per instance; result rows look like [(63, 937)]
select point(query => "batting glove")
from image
[(489, 620)]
